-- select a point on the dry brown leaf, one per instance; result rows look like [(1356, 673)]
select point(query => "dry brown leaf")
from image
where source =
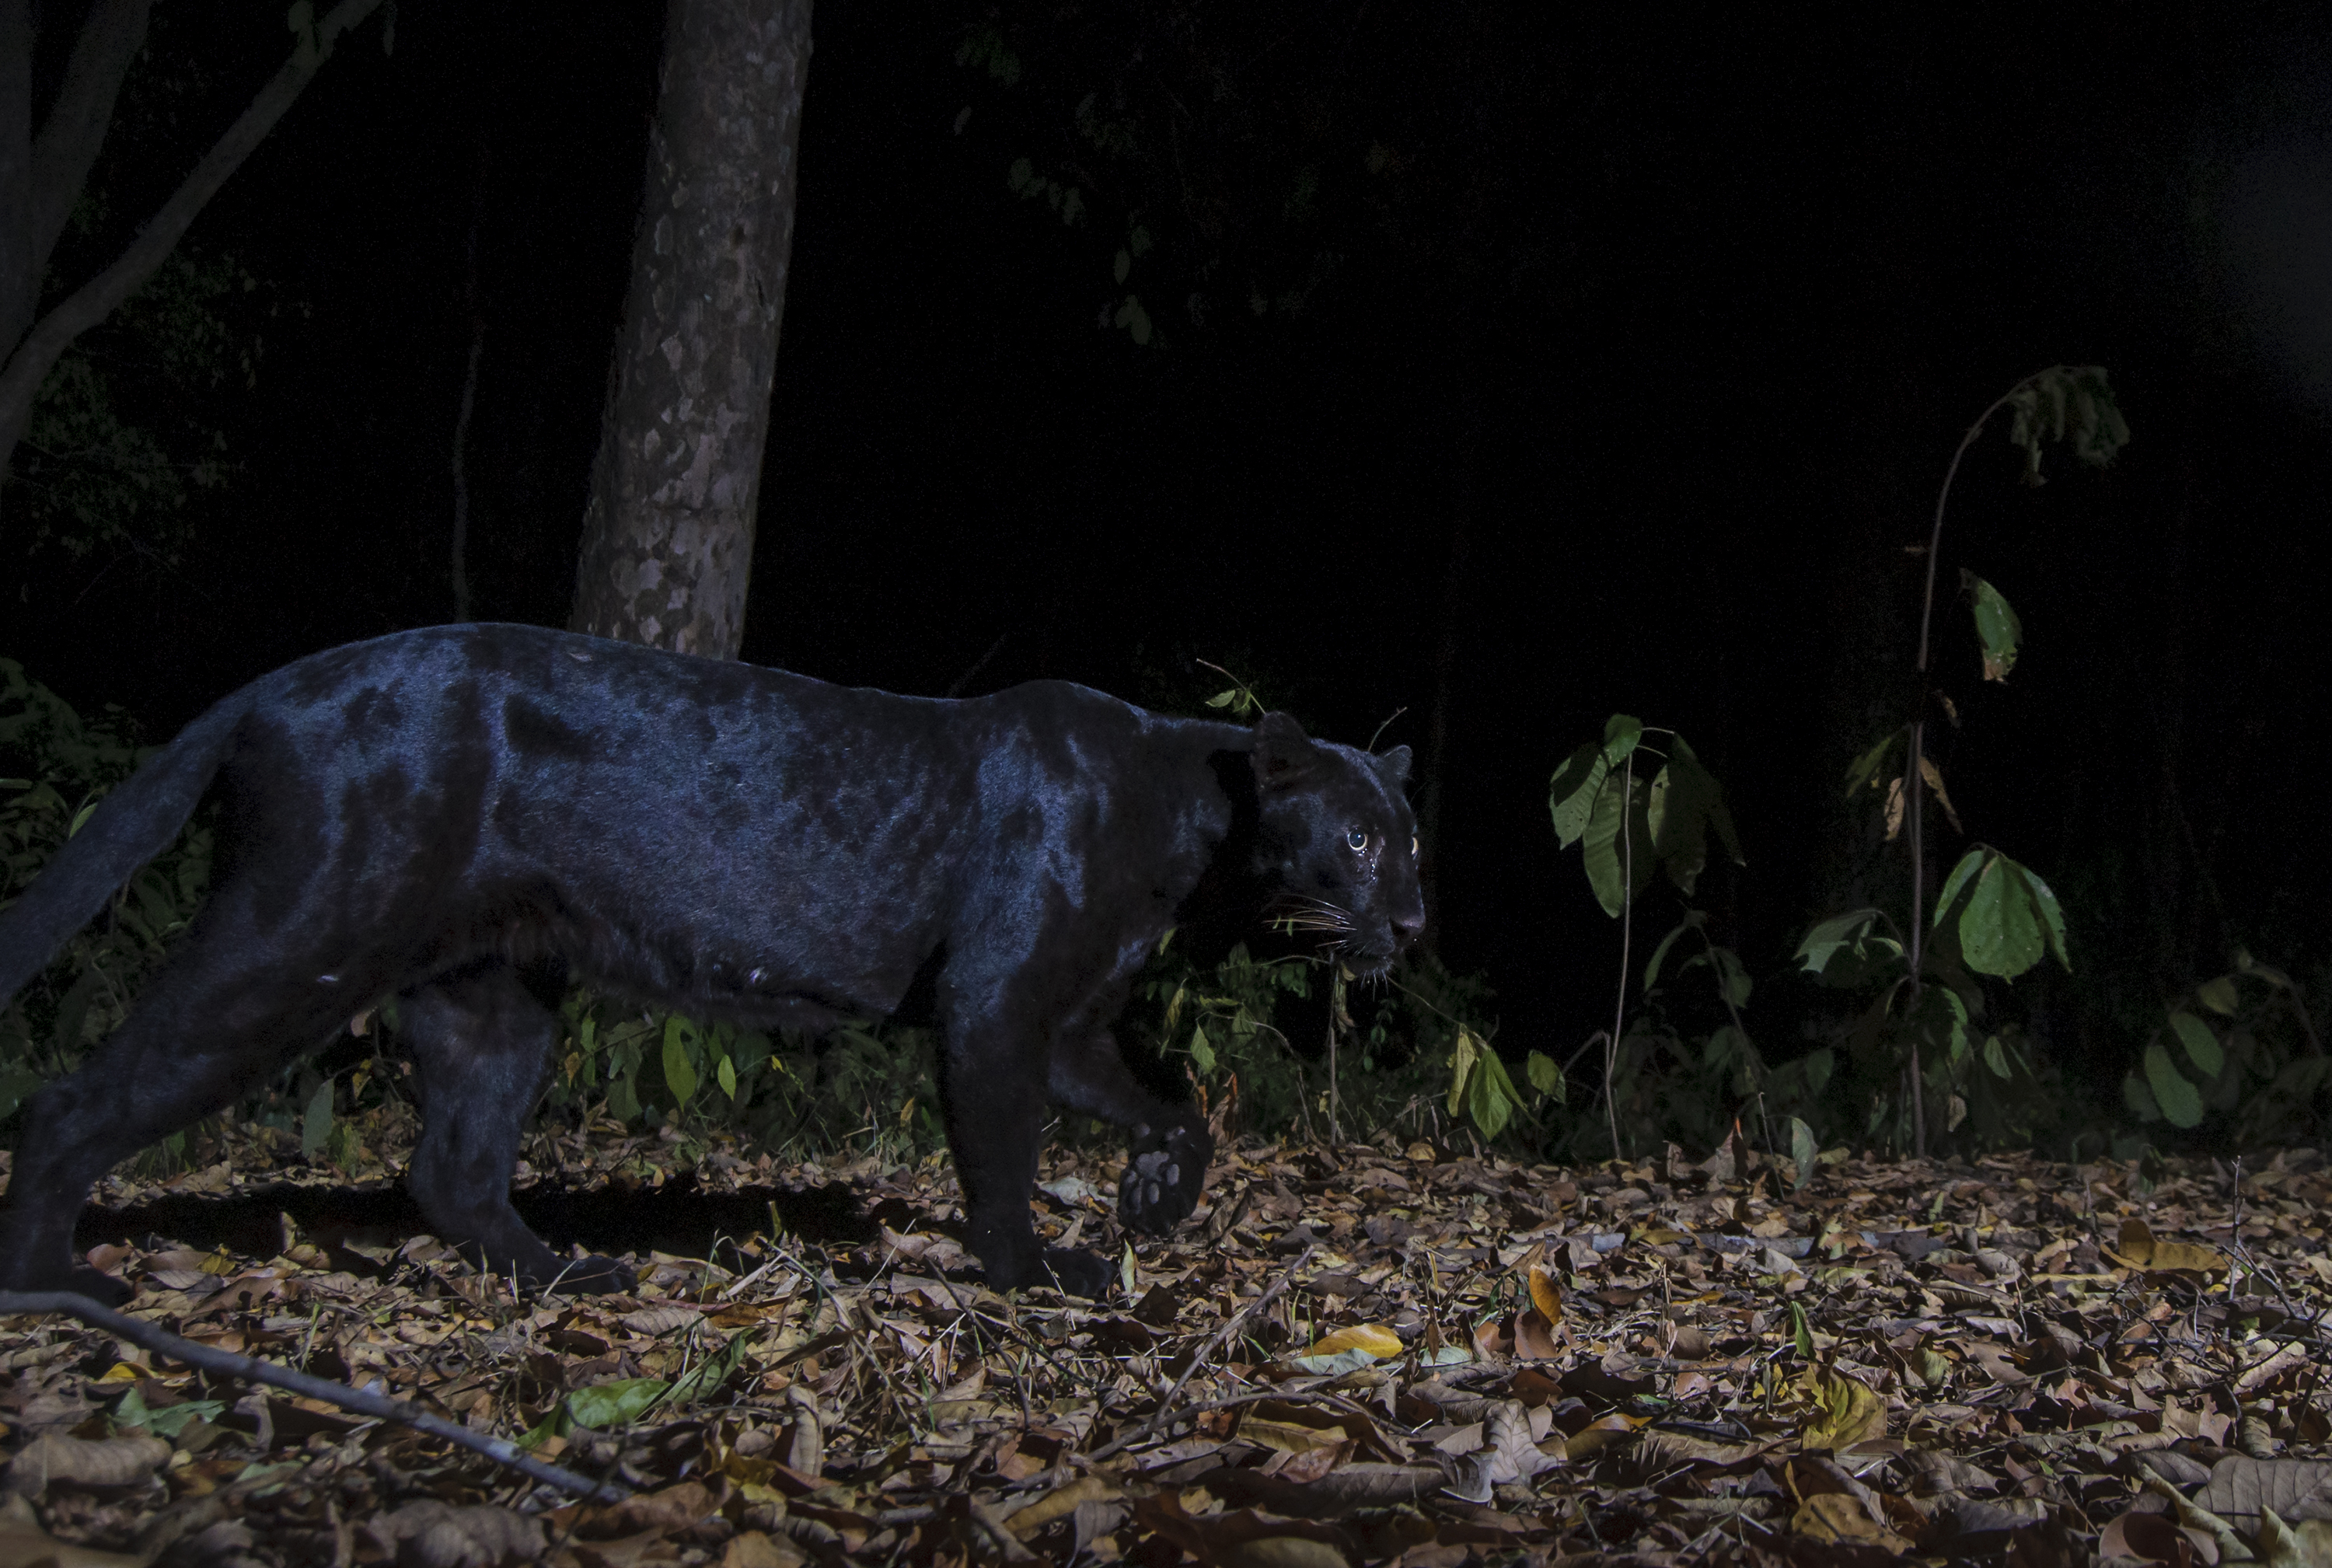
[(2240, 1486), (431, 1534), (24, 1545), (1025, 1521), (1838, 1518), (2306, 1546), (753, 1549), (100, 1464)]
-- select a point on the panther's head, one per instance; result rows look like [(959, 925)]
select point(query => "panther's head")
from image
[(1337, 842)]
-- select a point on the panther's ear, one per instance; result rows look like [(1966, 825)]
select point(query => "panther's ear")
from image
[(1394, 764), (1284, 755)]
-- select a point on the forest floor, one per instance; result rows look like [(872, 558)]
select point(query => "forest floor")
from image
[(1353, 1356)]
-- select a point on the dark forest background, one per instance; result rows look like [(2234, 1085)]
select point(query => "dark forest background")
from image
[(1605, 364)]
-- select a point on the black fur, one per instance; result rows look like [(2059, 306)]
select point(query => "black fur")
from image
[(459, 816)]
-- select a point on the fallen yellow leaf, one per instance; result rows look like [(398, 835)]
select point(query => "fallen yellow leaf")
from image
[(1372, 1337)]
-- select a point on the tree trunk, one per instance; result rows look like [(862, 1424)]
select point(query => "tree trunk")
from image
[(668, 530)]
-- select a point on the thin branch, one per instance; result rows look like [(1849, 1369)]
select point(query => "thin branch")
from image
[(1222, 1336), (74, 134), (250, 1370), (94, 301), (1627, 932)]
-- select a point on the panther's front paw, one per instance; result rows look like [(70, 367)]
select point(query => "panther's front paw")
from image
[(1162, 1180), (1079, 1273)]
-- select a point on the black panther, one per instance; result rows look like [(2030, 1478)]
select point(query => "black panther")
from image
[(465, 818)]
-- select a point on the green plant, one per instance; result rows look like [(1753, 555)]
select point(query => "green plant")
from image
[(63, 766), (2251, 1057), (1631, 826), (2002, 915)]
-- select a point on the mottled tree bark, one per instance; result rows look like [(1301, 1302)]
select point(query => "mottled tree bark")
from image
[(668, 530)]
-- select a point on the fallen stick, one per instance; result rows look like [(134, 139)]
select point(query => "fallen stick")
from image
[(1222, 1336), (250, 1370)]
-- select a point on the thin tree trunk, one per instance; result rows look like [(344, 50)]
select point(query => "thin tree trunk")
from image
[(668, 530), (32, 357), (461, 544)]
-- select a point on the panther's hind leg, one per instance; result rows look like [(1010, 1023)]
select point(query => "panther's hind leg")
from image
[(217, 1022), (480, 1044)]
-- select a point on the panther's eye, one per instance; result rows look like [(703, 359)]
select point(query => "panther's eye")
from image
[(1357, 839), (1412, 847)]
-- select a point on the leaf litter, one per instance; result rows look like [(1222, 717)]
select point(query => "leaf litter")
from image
[(1362, 1356)]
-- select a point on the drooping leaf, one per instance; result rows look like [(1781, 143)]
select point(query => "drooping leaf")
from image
[(1691, 921), (1851, 938), (2070, 403), (2218, 995), (2181, 1105), (1462, 1056), (1804, 1150), (679, 1071), (2203, 1047), (1868, 770), (1935, 778), (316, 1121), (1999, 925), (1571, 795), (1490, 1097), (1545, 1075), (1618, 844), (1997, 629)]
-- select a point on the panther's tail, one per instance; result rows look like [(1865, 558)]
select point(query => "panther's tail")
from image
[(135, 823)]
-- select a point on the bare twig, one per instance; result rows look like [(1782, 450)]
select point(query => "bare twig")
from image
[(249, 1369), (1222, 1336)]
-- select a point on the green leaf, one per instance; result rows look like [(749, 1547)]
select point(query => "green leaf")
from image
[(1733, 981), (2140, 1098), (1999, 928), (1544, 1076), (2070, 403), (1462, 1056), (613, 1404), (1803, 1150), (704, 1378), (1202, 1052), (1850, 935), (2203, 1047), (1122, 265), (1801, 1332), (2178, 1099), (2217, 994), (679, 1071), (1969, 864), (1491, 1100), (1692, 918), (1995, 1056), (316, 1121), (727, 1075), (1685, 802), (2052, 913), (1617, 846), (132, 1412), (1870, 770), (1571, 794), (1996, 627)]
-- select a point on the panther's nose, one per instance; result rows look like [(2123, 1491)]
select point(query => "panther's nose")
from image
[(1406, 927)]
